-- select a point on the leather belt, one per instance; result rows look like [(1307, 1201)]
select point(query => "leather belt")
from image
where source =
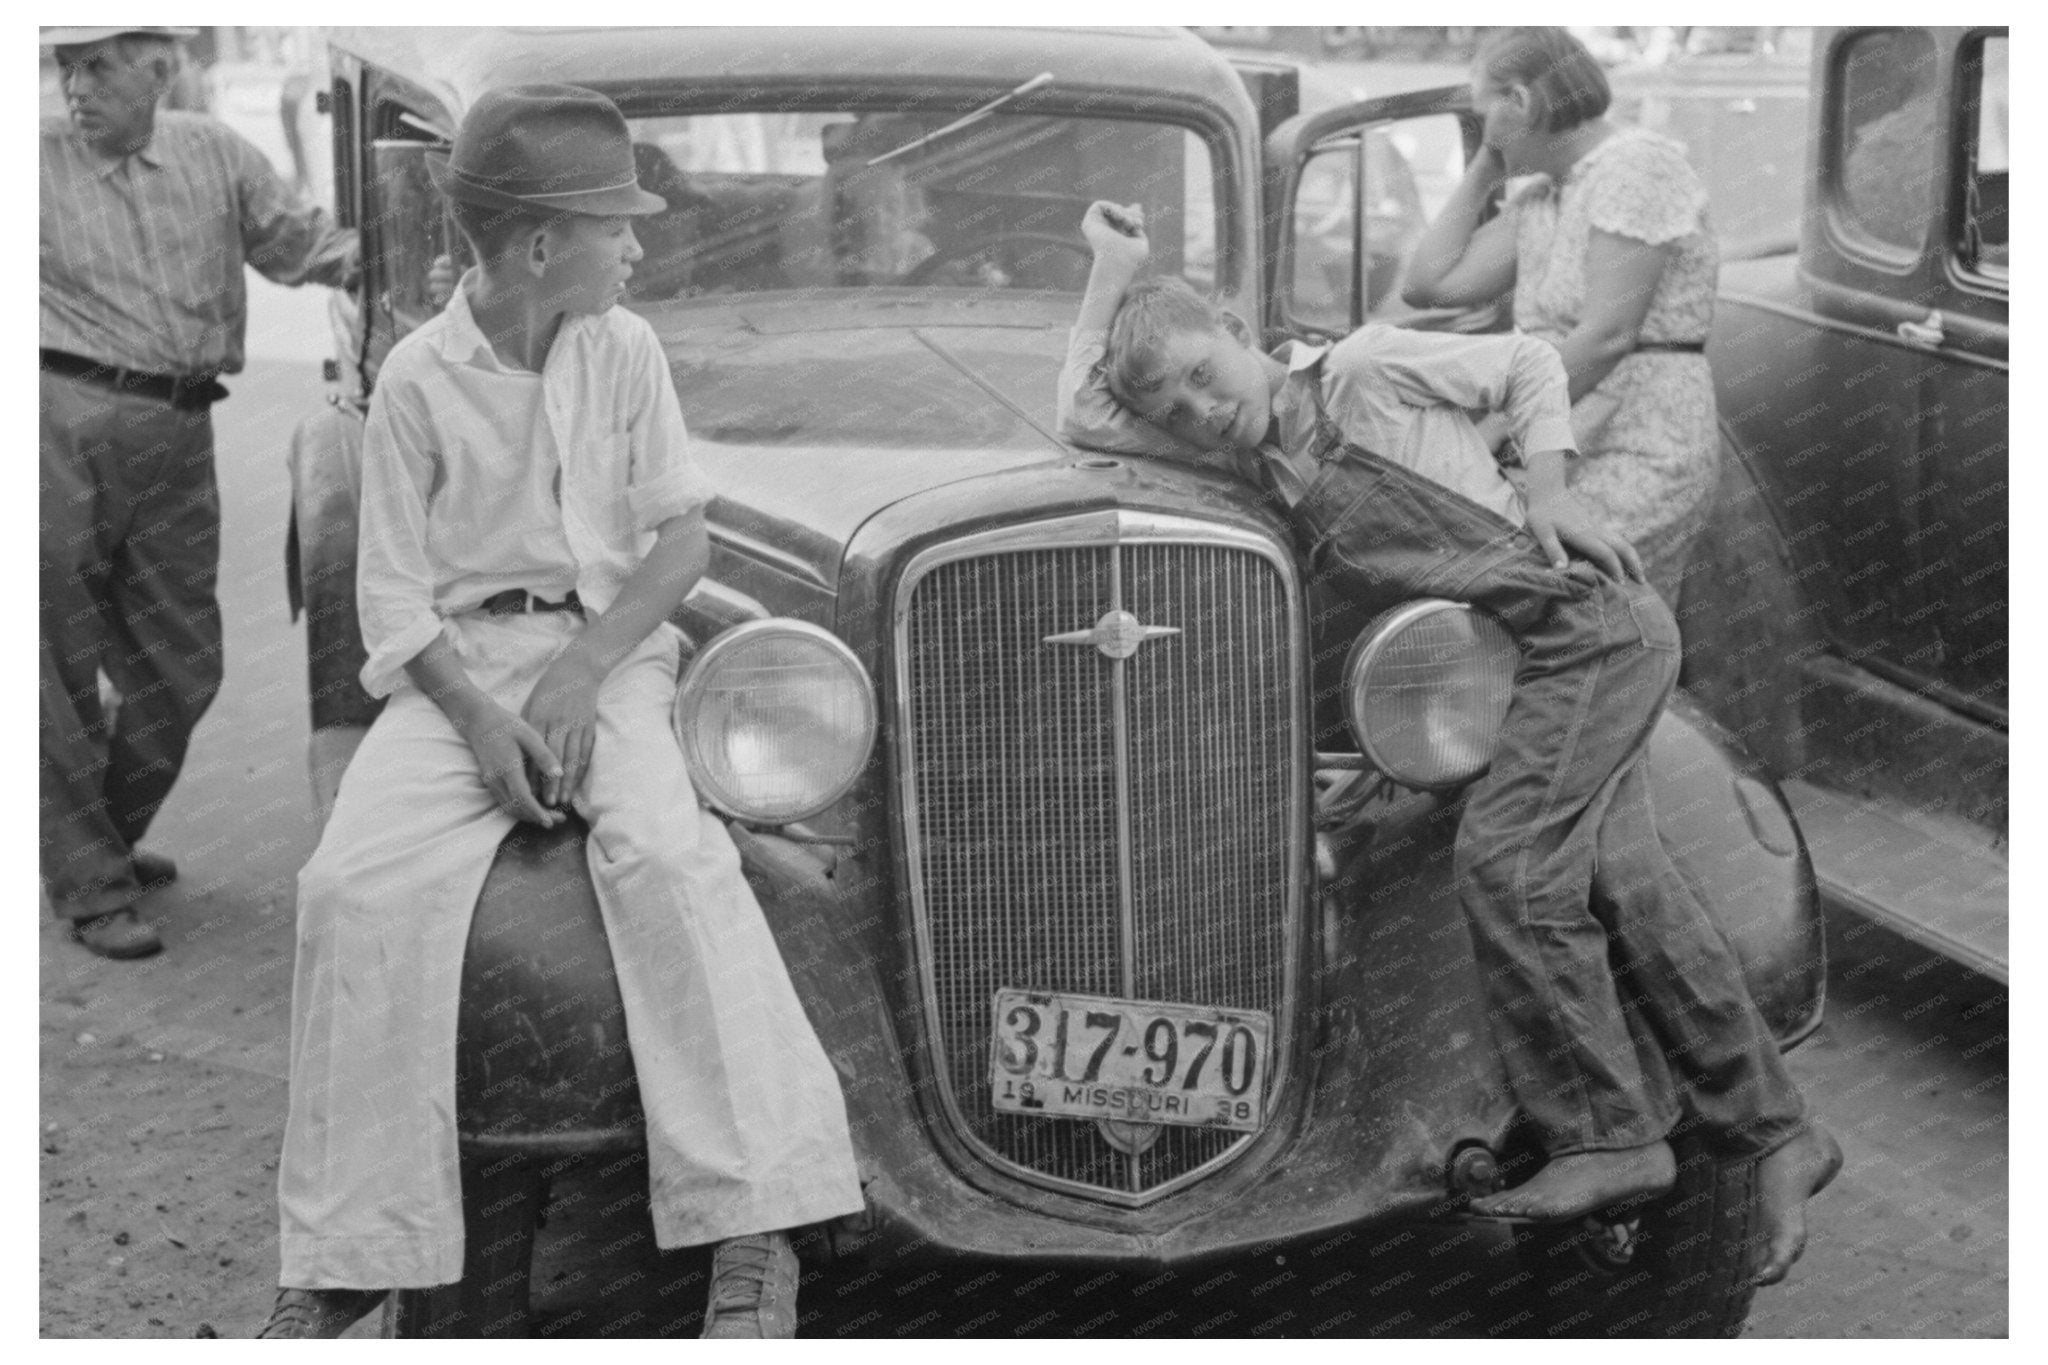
[(1683, 347), (191, 392), (513, 601)]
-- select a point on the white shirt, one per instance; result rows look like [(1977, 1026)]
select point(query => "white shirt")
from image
[(479, 476), (1404, 395)]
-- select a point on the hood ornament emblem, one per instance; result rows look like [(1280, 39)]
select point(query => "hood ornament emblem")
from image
[(1118, 635)]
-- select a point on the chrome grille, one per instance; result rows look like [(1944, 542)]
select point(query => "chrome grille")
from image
[(1081, 824)]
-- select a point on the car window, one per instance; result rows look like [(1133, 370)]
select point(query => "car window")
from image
[(1985, 186), (1886, 127), (1319, 294), (416, 235), (808, 199), (1411, 167), (414, 255)]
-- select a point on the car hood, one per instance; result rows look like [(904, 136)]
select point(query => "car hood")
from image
[(809, 417)]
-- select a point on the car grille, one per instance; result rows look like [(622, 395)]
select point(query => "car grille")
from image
[(1064, 838)]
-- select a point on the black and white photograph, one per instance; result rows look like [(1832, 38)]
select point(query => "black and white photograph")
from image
[(883, 682)]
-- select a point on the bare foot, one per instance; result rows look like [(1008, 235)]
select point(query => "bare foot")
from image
[(1573, 1186), (1785, 1180)]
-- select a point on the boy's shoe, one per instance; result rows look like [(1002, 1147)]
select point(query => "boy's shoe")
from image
[(753, 1288), (117, 934), (152, 869), (311, 1314)]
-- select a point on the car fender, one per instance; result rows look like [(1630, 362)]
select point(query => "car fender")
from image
[(1723, 820), (1749, 629), (1732, 835), (325, 458)]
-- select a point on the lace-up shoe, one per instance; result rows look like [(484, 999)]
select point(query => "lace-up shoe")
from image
[(753, 1288), (309, 1314)]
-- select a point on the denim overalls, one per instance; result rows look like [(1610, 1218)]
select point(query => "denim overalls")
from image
[(1559, 866)]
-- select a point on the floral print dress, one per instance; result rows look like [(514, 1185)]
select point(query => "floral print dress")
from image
[(1649, 454)]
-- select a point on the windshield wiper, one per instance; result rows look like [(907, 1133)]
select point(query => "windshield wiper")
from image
[(1042, 79)]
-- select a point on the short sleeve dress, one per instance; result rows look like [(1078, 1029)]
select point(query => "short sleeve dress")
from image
[(1649, 454)]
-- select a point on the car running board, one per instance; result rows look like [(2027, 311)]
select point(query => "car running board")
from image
[(1943, 892)]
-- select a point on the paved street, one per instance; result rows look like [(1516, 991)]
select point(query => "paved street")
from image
[(162, 1082)]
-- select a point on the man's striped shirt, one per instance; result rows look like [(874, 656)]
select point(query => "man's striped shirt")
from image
[(142, 256)]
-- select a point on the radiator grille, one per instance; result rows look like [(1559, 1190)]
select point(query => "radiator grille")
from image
[(1015, 754)]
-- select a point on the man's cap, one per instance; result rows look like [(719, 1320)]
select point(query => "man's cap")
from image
[(75, 37), (544, 148)]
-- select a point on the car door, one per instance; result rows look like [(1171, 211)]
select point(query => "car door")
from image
[(1903, 503), (1348, 193), (1972, 382), (411, 249)]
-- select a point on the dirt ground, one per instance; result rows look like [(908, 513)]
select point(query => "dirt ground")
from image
[(162, 1101)]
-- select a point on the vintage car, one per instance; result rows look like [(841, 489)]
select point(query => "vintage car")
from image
[(1848, 611), (1026, 749)]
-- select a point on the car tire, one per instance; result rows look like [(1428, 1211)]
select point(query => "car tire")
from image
[(1681, 1269)]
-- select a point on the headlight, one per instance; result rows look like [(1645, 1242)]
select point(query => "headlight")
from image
[(1426, 686), (776, 719)]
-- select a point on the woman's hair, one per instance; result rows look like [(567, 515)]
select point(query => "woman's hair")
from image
[(1152, 310), (1565, 83)]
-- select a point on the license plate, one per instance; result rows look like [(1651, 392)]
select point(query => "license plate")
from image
[(1140, 1061)]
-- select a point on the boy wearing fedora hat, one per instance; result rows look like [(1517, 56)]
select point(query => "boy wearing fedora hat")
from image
[(530, 518)]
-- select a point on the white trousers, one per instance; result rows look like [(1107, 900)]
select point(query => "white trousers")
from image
[(746, 1126)]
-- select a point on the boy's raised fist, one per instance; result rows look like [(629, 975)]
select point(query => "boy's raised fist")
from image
[(1116, 232)]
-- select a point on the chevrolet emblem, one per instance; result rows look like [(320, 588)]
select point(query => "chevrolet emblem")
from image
[(1118, 635)]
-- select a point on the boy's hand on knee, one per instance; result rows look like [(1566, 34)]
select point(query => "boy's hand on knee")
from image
[(563, 707), (1561, 522), (503, 745)]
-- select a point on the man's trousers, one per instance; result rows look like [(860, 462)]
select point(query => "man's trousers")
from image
[(746, 1126), (130, 544)]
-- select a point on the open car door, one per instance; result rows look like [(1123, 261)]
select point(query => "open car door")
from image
[(413, 259), (1348, 192)]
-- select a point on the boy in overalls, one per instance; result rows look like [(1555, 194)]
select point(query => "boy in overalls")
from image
[(1393, 495), (530, 518)]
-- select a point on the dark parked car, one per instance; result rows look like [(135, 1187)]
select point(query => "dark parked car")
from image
[(1849, 613), (1121, 904)]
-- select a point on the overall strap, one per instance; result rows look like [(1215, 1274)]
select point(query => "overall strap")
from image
[(1329, 441)]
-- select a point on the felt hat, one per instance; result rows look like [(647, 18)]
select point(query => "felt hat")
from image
[(544, 148), (75, 37)]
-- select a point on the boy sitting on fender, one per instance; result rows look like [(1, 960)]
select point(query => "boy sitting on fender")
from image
[(530, 518), (1391, 491)]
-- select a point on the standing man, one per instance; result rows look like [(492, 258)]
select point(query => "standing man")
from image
[(147, 220)]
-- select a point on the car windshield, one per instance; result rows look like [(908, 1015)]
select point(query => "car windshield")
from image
[(813, 199)]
